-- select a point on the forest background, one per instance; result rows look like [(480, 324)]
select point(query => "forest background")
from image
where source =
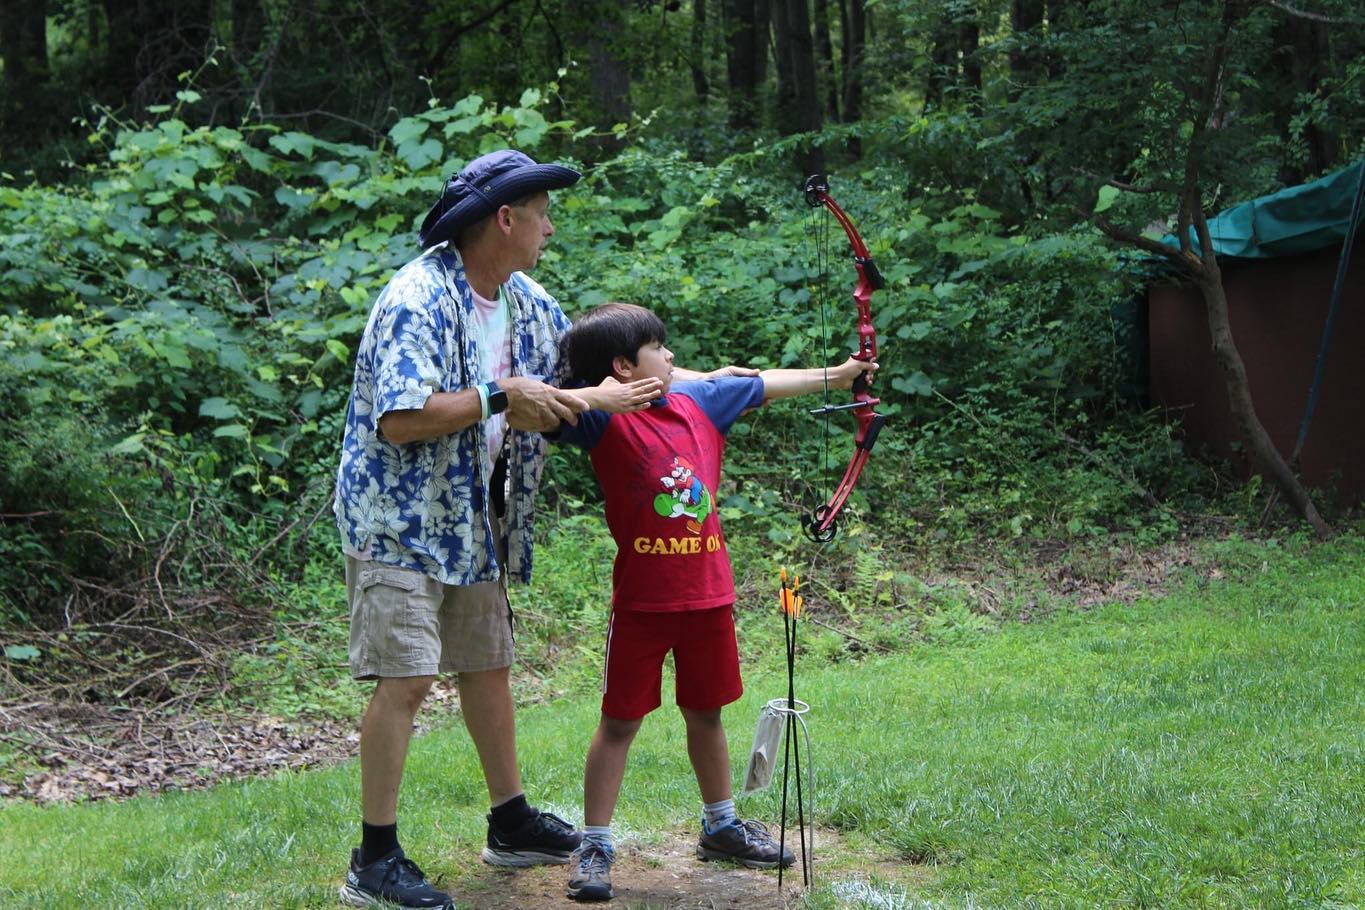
[(200, 201)]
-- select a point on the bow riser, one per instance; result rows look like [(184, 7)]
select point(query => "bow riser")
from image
[(867, 335)]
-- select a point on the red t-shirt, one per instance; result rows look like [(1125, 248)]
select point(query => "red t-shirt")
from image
[(659, 469)]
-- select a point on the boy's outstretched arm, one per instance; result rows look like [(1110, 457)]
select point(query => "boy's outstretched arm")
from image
[(790, 383)]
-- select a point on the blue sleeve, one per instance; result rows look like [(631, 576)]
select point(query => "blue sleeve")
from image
[(585, 434), (723, 399)]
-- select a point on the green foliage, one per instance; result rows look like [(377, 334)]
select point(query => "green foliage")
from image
[(66, 495), (297, 673), (565, 608), (1126, 98), (197, 303)]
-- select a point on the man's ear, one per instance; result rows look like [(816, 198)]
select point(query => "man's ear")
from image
[(623, 368), (503, 217)]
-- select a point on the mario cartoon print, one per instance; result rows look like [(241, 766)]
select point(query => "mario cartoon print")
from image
[(684, 496)]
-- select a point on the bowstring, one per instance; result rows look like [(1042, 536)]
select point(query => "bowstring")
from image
[(820, 233)]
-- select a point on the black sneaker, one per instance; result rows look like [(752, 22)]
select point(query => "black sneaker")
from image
[(542, 838), (747, 843), (590, 876), (393, 880)]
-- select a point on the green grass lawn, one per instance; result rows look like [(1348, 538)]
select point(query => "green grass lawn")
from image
[(1205, 750)]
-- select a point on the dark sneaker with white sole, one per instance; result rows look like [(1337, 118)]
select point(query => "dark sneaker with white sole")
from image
[(746, 843), (544, 838), (590, 873), (391, 881)]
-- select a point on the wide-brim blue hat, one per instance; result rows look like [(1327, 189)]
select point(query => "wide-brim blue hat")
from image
[(486, 184)]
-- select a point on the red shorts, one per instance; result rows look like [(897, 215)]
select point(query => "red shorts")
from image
[(705, 660)]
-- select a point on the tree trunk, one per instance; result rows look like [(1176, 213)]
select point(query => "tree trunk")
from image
[(1303, 52), (247, 25), (824, 48), (610, 82), (608, 73), (26, 101), (942, 65), (791, 22), (954, 65), (1026, 19), (23, 45), (788, 121), (1210, 279), (969, 41), (1202, 267), (762, 44), (698, 62), (94, 31), (746, 55), (1258, 442), (855, 46)]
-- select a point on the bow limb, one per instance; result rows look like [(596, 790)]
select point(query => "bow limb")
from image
[(822, 524)]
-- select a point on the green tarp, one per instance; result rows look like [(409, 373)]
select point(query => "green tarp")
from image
[(1300, 219)]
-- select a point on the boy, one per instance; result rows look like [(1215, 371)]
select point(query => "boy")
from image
[(672, 587)]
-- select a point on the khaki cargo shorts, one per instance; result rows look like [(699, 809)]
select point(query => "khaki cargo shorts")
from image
[(406, 623)]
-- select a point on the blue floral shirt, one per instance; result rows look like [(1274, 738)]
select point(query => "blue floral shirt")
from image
[(423, 505)]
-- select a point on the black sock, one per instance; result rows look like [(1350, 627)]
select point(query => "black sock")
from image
[(508, 816), (377, 841)]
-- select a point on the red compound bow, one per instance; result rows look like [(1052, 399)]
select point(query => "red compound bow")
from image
[(822, 525)]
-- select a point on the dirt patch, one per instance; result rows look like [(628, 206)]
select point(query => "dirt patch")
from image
[(656, 875), (114, 755), (91, 752)]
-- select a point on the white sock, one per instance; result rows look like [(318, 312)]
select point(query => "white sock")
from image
[(718, 814), (599, 835)]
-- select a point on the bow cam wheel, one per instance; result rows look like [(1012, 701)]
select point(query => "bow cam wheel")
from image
[(812, 526)]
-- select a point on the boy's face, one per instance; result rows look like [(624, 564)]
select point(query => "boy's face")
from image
[(652, 361)]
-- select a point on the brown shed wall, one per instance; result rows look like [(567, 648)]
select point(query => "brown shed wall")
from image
[(1278, 308)]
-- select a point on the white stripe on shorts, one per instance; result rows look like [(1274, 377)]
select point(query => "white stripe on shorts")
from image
[(611, 624)]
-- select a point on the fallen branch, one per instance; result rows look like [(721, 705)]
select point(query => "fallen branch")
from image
[(851, 637)]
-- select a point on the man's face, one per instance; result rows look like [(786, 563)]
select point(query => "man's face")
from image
[(531, 229)]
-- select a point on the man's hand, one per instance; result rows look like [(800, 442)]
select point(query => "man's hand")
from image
[(680, 374), (617, 398), (533, 405), (732, 370)]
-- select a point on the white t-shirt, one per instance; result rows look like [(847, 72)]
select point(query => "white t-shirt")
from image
[(490, 325)]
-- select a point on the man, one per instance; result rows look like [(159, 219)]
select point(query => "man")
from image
[(433, 502)]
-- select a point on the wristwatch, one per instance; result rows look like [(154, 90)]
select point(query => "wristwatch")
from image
[(497, 398)]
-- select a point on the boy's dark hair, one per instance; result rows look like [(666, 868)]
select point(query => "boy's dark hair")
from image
[(606, 332)]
